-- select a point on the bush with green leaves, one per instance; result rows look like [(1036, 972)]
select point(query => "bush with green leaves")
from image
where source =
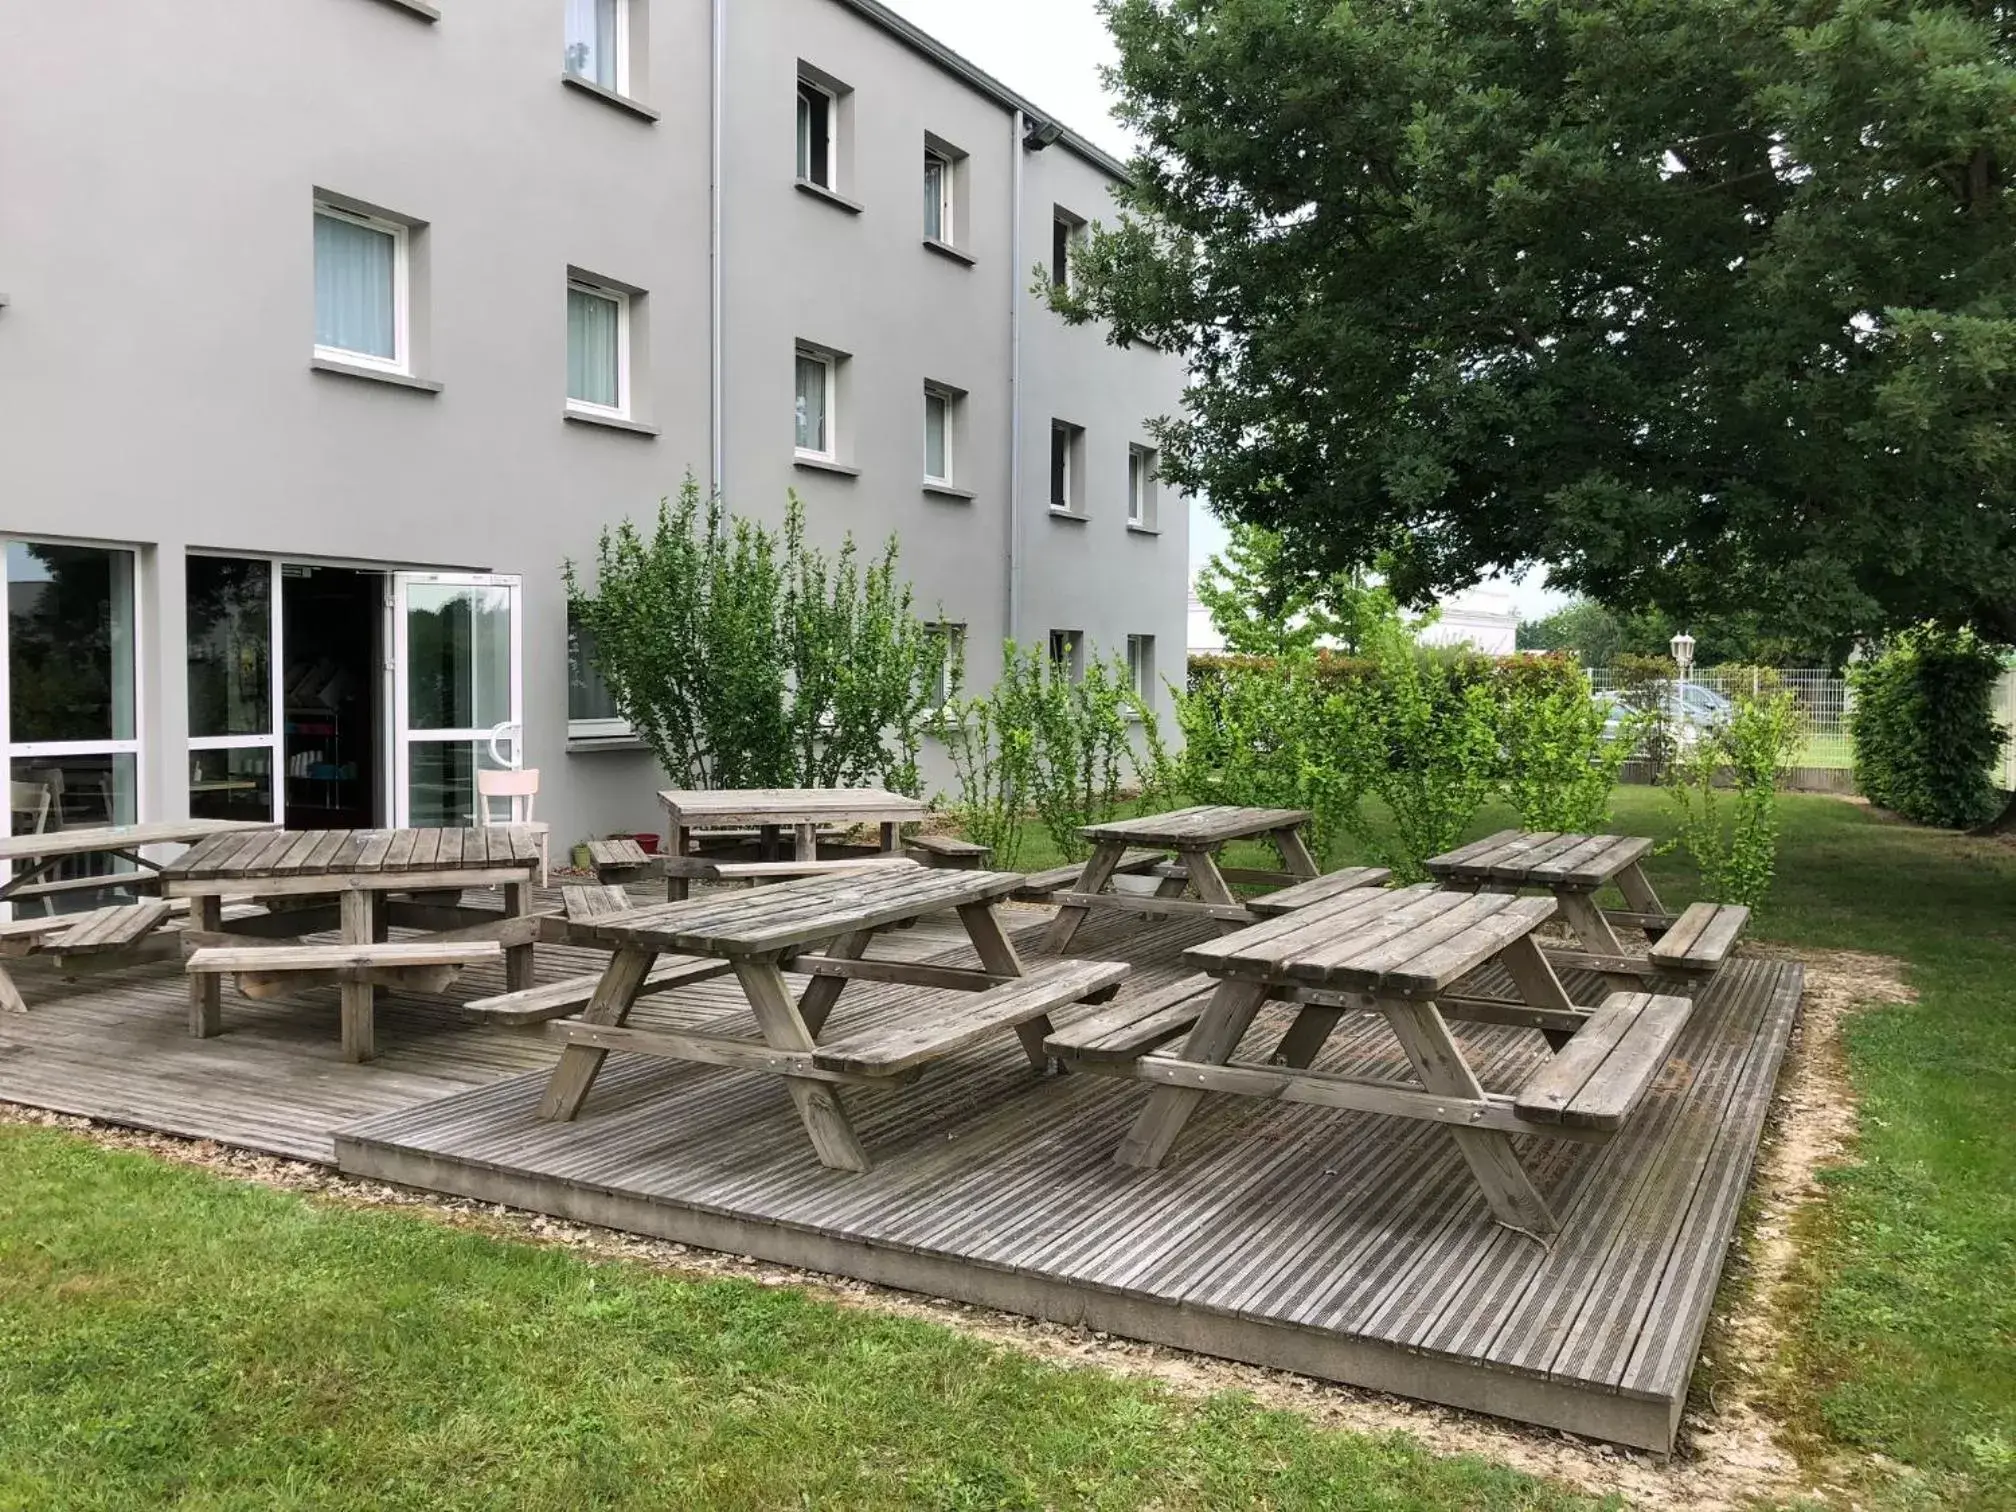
[(1925, 733), (744, 657), (1042, 743), (1257, 733), (1560, 762), (1724, 786)]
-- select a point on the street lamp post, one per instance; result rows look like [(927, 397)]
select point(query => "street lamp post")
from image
[(1683, 658)]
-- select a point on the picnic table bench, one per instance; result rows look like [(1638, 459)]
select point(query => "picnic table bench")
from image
[(806, 813), (1394, 953), (820, 927), (357, 872), (1690, 947), (1197, 835)]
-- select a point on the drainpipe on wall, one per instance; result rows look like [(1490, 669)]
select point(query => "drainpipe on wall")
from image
[(1014, 511), (717, 299)]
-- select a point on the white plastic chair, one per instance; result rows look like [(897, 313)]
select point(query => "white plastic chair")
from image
[(521, 789)]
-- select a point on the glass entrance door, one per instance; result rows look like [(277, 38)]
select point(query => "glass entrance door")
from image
[(456, 688)]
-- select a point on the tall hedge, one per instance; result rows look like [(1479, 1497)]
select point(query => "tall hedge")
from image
[(1924, 728)]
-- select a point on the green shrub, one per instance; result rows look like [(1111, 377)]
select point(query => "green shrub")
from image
[(1737, 851), (1559, 768), (745, 658), (1257, 734), (1924, 728)]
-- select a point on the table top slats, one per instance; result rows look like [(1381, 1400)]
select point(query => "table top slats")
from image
[(1563, 862), (299, 848), (1434, 969), (1416, 936), (794, 914), (1541, 858), (1206, 824), (325, 850), (399, 854), (96, 839), (208, 850), (1625, 850), (448, 848), (1257, 949), (253, 859), (341, 853), (783, 807), (1465, 853), (1336, 959)]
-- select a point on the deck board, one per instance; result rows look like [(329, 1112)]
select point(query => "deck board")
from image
[(1336, 1243)]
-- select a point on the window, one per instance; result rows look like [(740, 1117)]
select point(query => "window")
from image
[(1067, 449), (598, 42), (1065, 229), (1141, 666), (71, 730), (591, 708), (817, 395), (1067, 654), (1141, 487), (816, 117), (939, 407), (360, 289), (938, 198), (949, 665), (598, 349), (234, 687)]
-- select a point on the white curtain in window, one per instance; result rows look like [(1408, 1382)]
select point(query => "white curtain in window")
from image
[(591, 348), (591, 40), (934, 436), (354, 294), (812, 406), (934, 198)]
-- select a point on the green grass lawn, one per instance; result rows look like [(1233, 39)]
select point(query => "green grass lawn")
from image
[(169, 1338)]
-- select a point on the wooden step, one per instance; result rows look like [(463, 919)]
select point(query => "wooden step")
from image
[(536, 1005), (109, 929), (1319, 890), (1130, 1028), (1038, 886), (970, 1018), (1701, 938), (1597, 1078), (594, 900)]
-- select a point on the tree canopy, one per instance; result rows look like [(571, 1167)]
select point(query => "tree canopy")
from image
[(1705, 304), (1265, 606)]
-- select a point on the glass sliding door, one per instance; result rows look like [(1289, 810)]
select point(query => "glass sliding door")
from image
[(71, 733), (234, 688), (457, 672)]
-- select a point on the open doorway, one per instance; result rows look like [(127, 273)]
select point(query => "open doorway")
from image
[(332, 627)]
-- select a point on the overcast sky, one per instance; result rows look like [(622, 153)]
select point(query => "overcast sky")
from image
[(1050, 51)]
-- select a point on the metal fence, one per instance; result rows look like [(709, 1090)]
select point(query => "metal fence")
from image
[(1823, 700)]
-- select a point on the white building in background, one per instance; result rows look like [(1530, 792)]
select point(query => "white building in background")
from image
[(1483, 618)]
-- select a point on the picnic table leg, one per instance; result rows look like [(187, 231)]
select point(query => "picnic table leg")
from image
[(11, 1000), (817, 1001), (206, 988), (1211, 884), (1638, 893), (819, 1106), (610, 1005), (1305, 1037), (1425, 1037), (519, 963), (1216, 1035), (997, 955), (359, 998), (892, 838), (1294, 853), (677, 889), (766, 842), (805, 842), (1533, 974), (1098, 872), (1586, 919)]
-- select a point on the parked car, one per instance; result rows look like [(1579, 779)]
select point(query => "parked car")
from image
[(1701, 708)]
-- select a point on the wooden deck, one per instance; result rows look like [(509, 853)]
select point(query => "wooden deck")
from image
[(1341, 1245)]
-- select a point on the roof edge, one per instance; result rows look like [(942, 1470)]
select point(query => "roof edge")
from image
[(921, 41)]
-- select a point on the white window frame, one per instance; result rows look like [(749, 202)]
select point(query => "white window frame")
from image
[(948, 231), (1142, 677), (802, 144), (273, 741), (1073, 659), (1141, 487), (612, 728), (1069, 433), (621, 298), (831, 364), (948, 399), (622, 70), (951, 638), (401, 360)]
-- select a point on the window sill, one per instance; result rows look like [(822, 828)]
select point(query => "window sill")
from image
[(415, 8), (608, 422), (821, 192), (588, 745), (1143, 530), (950, 491), (373, 375), (622, 102), (949, 252), (823, 464), (1072, 515)]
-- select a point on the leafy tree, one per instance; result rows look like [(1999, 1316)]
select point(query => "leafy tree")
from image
[(1706, 304), (1599, 636), (1264, 605)]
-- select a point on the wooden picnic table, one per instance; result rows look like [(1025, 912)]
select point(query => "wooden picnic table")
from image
[(820, 926), (1396, 953), (772, 811), (1197, 835), (360, 870), (46, 849)]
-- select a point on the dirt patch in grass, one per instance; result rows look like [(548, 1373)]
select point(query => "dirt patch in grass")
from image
[(1730, 1455)]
